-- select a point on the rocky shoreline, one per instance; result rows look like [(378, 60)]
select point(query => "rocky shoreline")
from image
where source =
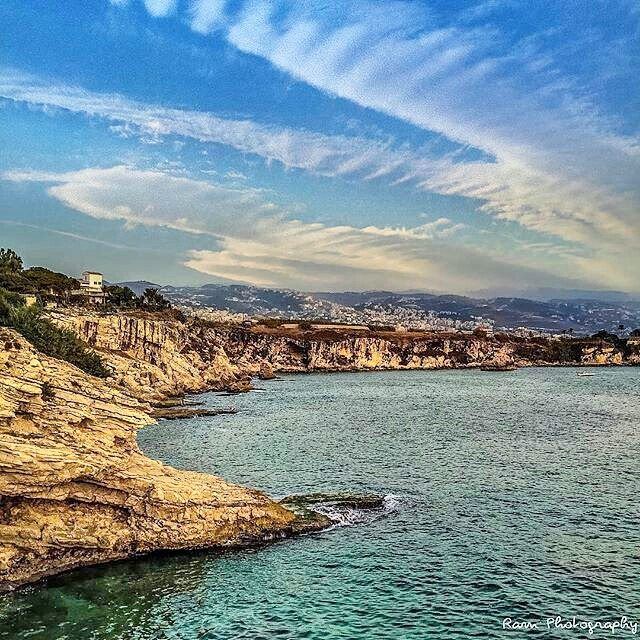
[(154, 358), (75, 489)]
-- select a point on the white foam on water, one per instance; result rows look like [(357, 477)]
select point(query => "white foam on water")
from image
[(349, 517)]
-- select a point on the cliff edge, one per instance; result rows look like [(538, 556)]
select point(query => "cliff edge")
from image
[(75, 489)]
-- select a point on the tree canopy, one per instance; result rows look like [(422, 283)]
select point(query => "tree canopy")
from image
[(122, 297), (153, 300), (45, 280), (10, 261)]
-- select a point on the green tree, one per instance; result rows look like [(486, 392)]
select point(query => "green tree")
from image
[(121, 297), (45, 280), (153, 300), (10, 261)]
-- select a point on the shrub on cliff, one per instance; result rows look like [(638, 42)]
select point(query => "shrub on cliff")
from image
[(10, 261), (46, 336)]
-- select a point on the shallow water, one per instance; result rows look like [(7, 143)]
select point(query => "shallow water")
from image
[(514, 494)]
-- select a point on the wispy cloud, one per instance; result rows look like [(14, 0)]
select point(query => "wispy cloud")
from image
[(76, 236), (207, 15), (559, 164), (160, 8), (579, 210), (254, 240), (575, 208)]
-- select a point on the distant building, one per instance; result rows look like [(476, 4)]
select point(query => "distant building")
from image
[(92, 288)]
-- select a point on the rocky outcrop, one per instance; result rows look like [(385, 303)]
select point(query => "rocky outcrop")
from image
[(335, 351), (153, 357), (76, 490)]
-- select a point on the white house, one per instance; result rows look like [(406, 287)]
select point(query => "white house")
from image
[(92, 287)]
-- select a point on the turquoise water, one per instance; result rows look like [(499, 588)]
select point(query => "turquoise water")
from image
[(514, 494)]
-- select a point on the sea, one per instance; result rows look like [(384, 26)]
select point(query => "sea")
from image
[(512, 510)]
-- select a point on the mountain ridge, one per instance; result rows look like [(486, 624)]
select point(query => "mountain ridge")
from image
[(420, 310)]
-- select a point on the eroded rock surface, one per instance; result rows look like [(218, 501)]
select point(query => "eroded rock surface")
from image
[(76, 490), (153, 358)]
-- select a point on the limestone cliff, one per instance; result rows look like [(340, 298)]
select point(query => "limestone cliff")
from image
[(75, 489), (256, 349), (154, 357)]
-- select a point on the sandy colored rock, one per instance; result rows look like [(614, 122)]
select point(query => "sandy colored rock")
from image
[(76, 490), (154, 357)]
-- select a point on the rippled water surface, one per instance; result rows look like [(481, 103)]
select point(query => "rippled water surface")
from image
[(516, 494)]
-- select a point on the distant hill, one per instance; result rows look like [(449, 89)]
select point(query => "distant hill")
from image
[(551, 293), (139, 286), (420, 310)]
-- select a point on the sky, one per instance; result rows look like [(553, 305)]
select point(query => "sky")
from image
[(445, 146)]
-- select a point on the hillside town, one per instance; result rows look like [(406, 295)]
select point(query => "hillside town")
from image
[(248, 305)]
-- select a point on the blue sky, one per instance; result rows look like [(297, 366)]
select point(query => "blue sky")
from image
[(366, 144)]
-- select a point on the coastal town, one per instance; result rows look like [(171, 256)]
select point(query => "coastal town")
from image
[(291, 310)]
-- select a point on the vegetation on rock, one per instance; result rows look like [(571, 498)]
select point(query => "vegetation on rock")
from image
[(153, 300), (46, 337), (37, 280)]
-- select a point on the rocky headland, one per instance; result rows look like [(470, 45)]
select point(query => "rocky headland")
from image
[(76, 490), (153, 358)]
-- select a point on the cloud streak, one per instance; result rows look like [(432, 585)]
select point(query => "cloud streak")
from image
[(572, 208), (594, 219), (253, 240), (558, 164)]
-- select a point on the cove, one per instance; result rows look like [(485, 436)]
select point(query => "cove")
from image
[(485, 520)]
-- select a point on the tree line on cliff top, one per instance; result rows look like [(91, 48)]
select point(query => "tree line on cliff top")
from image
[(44, 335), (50, 285)]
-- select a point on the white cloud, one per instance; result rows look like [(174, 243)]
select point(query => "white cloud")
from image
[(254, 240), (578, 209), (160, 8), (154, 198), (206, 15), (559, 166)]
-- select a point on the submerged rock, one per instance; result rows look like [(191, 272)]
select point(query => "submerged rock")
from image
[(179, 413), (498, 367), (345, 500), (334, 508)]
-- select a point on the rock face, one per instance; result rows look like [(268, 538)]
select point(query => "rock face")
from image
[(251, 350), (152, 358), (75, 489)]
